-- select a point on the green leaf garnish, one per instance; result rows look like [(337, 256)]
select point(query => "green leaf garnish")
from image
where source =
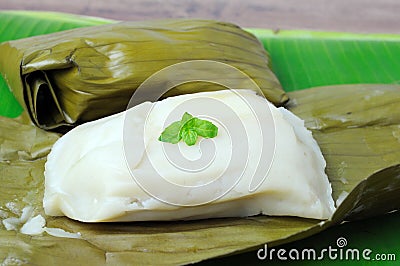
[(186, 117), (189, 136), (171, 133), (203, 128), (188, 129)]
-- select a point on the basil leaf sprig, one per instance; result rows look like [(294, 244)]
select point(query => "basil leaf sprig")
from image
[(188, 129)]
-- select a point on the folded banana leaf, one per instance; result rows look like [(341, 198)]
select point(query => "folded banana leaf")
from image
[(358, 130), (69, 77), (360, 140)]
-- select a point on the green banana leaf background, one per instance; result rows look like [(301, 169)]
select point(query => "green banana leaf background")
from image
[(301, 60)]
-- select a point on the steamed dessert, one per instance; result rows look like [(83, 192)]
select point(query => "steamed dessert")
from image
[(110, 169)]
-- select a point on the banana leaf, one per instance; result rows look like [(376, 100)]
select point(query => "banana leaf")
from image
[(371, 168), (177, 243), (67, 78), (358, 130), (21, 24)]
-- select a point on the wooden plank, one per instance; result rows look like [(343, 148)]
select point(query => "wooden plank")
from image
[(327, 15)]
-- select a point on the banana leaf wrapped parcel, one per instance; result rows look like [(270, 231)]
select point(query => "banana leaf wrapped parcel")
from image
[(79, 75)]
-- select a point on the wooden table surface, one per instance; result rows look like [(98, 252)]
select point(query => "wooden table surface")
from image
[(365, 16)]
